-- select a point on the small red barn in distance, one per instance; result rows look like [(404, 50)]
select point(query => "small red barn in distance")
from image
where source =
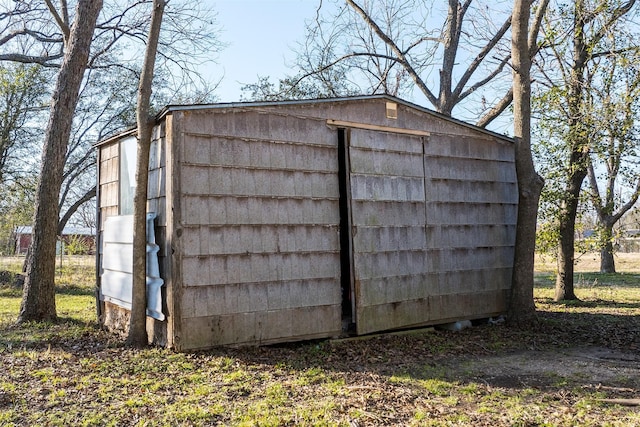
[(86, 235)]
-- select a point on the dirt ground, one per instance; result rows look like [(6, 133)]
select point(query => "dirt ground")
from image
[(592, 367)]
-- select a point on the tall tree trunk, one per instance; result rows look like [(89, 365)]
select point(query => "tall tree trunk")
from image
[(567, 228), (522, 308), (578, 160), (607, 262), (138, 323), (38, 300)]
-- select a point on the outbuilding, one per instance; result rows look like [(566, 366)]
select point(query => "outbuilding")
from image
[(83, 238), (284, 221)]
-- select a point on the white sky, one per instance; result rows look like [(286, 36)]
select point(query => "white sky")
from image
[(261, 35)]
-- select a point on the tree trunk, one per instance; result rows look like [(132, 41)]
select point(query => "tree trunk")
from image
[(138, 323), (38, 300), (578, 160), (566, 250), (607, 262), (522, 309)]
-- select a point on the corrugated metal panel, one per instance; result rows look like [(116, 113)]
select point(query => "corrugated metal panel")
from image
[(260, 218)]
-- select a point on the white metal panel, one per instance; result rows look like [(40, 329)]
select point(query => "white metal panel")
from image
[(117, 265)]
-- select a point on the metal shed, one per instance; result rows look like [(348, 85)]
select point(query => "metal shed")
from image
[(308, 219)]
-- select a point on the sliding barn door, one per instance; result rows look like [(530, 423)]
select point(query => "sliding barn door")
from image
[(387, 185)]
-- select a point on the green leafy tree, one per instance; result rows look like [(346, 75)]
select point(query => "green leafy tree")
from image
[(330, 84), (16, 210), (613, 170), (22, 93), (577, 34)]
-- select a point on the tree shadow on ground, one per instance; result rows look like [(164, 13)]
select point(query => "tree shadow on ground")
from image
[(554, 353)]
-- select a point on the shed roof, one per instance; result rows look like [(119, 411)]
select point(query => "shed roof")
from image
[(261, 104)]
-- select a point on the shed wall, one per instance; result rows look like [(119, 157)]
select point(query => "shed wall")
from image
[(248, 205), (260, 245)]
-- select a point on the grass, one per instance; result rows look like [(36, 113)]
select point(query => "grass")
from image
[(71, 373)]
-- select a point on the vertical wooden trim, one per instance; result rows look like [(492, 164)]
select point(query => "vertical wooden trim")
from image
[(425, 141), (98, 235), (173, 259)]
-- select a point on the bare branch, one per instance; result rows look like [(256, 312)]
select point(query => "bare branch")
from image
[(484, 81), (88, 195), (402, 59), (45, 61), (496, 110), (478, 60), (63, 22)]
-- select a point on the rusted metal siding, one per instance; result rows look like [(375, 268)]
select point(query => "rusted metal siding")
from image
[(260, 246), (433, 227)]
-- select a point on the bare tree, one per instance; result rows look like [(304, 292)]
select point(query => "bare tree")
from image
[(38, 32), (137, 325), (399, 45), (615, 100), (35, 32), (38, 302)]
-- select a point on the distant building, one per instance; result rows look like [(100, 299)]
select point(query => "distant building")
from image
[(86, 236)]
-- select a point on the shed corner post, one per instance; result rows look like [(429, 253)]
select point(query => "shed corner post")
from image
[(98, 244), (173, 245)]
